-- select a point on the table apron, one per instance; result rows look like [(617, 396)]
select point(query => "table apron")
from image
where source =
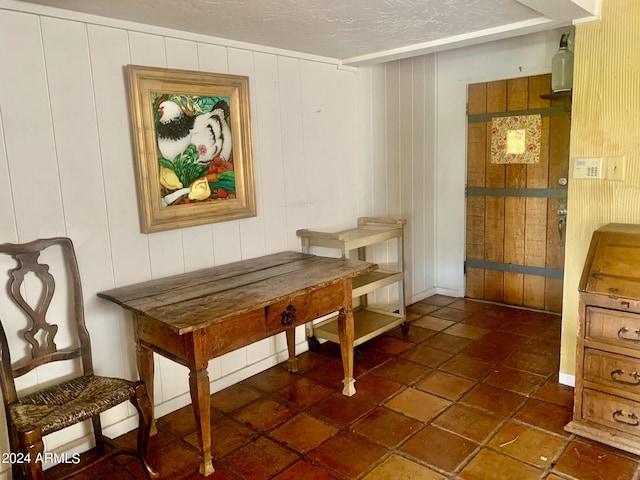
[(242, 330)]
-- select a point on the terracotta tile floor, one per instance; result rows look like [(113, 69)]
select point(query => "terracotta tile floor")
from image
[(471, 393)]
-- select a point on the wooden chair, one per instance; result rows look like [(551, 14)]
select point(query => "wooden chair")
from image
[(37, 414)]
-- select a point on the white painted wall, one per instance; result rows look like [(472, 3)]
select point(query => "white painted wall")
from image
[(328, 147), (401, 156), (330, 144)]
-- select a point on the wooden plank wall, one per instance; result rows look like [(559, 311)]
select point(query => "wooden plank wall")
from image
[(515, 230)]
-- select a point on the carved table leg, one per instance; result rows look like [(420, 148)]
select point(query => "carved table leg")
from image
[(346, 334), (292, 363), (201, 399), (144, 358)]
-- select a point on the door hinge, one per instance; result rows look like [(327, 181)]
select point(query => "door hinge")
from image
[(464, 267)]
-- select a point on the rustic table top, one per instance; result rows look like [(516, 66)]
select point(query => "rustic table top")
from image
[(195, 300)]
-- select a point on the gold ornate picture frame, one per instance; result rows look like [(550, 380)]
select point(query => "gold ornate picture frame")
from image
[(193, 154)]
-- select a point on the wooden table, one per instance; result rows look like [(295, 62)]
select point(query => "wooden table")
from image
[(193, 317)]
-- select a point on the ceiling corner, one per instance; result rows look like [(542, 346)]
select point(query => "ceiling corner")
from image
[(564, 9)]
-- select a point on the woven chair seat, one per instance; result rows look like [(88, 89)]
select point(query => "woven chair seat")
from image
[(65, 404)]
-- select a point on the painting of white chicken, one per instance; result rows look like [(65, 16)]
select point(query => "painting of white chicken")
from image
[(195, 148), (211, 134), (173, 129)]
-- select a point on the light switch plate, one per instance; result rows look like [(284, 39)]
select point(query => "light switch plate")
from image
[(615, 168)]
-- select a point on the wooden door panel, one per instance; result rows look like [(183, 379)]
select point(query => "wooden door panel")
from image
[(514, 254), (553, 294), (514, 248), (534, 288), (493, 286), (475, 283)]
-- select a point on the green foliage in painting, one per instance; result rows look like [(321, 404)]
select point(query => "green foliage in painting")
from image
[(185, 165)]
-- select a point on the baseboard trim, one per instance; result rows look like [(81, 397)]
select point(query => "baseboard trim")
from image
[(567, 379)]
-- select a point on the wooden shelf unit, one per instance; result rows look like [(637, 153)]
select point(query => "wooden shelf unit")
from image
[(369, 322)]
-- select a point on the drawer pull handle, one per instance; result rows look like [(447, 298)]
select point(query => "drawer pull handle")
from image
[(618, 373), (624, 330), (288, 316), (620, 417)]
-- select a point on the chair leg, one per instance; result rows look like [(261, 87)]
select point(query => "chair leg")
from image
[(142, 403), (97, 433), (31, 447)]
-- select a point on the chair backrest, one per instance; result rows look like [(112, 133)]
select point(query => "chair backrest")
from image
[(40, 331)]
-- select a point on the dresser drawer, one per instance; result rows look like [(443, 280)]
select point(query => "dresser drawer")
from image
[(611, 411), (611, 369), (613, 327)]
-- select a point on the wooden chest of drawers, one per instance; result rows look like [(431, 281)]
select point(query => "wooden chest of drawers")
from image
[(607, 392)]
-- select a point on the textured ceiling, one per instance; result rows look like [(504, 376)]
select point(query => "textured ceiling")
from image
[(348, 30)]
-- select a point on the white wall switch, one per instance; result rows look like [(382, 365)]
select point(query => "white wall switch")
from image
[(615, 168), (590, 168)]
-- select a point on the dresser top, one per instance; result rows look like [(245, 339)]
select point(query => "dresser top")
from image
[(612, 266)]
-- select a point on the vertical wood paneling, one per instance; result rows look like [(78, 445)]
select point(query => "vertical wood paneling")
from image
[(67, 152), (343, 109), (365, 108), (430, 185), (212, 58), (381, 112), (290, 94), (417, 166), (29, 140), (181, 54), (393, 112), (78, 155), (252, 239), (401, 174), (268, 142), (406, 155), (7, 217), (109, 50)]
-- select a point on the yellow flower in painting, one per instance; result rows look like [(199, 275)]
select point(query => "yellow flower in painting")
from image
[(169, 179), (200, 189)]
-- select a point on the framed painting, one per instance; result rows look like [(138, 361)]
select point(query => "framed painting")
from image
[(192, 139)]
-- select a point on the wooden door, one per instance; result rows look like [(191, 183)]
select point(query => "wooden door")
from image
[(514, 246)]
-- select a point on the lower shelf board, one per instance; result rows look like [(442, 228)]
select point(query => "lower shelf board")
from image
[(369, 323)]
